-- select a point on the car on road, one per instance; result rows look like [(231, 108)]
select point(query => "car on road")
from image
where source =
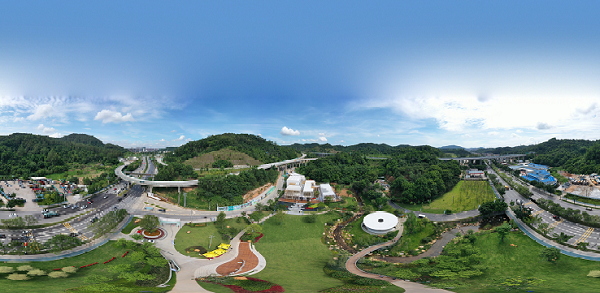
[(2, 236), (11, 215), (421, 216), (555, 217), (162, 210), (94, 219), (106, 196), (73, 234)]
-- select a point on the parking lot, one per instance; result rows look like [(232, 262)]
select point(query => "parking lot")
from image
[(21, 191)]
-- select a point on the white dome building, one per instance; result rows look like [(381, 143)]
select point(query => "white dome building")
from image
[(379, 223)]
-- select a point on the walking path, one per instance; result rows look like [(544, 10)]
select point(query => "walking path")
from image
[(245, 261), (410, 287), (436, 249)]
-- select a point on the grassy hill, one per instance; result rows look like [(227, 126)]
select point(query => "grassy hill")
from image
[(254, 146), (235, 157)]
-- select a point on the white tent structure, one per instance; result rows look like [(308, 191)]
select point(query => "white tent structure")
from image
[(379, 223)]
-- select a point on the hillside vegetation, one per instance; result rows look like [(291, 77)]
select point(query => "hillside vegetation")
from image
[(23, 154), (235, 157), (574, 155), (254, 146)]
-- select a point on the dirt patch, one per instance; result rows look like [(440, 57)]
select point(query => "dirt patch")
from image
[(196, 249), (256, 192)]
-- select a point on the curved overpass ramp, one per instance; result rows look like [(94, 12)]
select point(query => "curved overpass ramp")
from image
[(189, 183), (119, 172)]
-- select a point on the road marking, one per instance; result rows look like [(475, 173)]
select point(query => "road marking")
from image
[(537, 213), (553, 225), (585, 236), (528, 203)]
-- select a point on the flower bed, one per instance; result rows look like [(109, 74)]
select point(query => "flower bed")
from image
[(159, 233), (258, 238), (113, 258), (81, 267), (126, 252)]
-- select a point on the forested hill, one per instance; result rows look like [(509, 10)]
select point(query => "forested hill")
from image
[(82, 138), (362, 148), (574, 155), (252, 145), (416, 174), (27, 155)]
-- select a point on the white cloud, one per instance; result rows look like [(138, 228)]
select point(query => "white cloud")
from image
[(18, 119), (543, 126), (322, 139), (109, 116), (43, 111), (514, 135), (493, 133), (173, 130), (56, 135), (519, 131), (162, 139), (288, 131), (322, 134), (465, 135), (46, 130), (182, 137)]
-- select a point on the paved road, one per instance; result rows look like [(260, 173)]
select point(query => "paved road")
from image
[(579, 232), (440, 217)]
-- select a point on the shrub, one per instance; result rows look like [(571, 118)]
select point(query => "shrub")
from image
[(24, 268), (69, 270), (594, 274), (6, 270), (310, 219), (57, 274), (36, 272), (18, 277), (426, 240)]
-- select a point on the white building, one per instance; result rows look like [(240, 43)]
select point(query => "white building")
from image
[(326, 192), (308, 190), (379, 223)]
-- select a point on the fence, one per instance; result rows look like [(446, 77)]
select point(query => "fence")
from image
[(250, 203)]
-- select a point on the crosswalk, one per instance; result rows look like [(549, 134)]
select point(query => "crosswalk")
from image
[(553, 225)]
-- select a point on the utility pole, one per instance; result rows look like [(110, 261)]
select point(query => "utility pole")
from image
[(184, 199), (210, 243)]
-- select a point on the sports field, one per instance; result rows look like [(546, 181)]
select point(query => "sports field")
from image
[(465, 196)]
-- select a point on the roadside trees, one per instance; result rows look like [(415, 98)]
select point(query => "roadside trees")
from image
[(149, 223)]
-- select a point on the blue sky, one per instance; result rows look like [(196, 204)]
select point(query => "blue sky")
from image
[(147, 73)]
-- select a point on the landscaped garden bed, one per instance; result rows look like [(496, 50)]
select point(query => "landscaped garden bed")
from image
[(245, 284)]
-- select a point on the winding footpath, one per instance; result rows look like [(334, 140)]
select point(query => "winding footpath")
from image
[(410, 287)]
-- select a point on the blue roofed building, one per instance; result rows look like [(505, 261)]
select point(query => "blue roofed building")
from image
[(535, 172)]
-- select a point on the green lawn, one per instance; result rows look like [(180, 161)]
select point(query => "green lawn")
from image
[(411, 242), (502, 261), (200, 236), (583, 199), (295, 254), (465, 196), (127, 229), (78, 279)]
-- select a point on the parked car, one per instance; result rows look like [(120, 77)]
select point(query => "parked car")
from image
[(555, 217)]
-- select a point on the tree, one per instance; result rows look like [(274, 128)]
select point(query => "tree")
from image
[(279, 216), (221, 219), (503, 230), (149, 223), (545, 228), (583, 245), (254, 227), (562, 237), (551, 254), (30, 220)]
